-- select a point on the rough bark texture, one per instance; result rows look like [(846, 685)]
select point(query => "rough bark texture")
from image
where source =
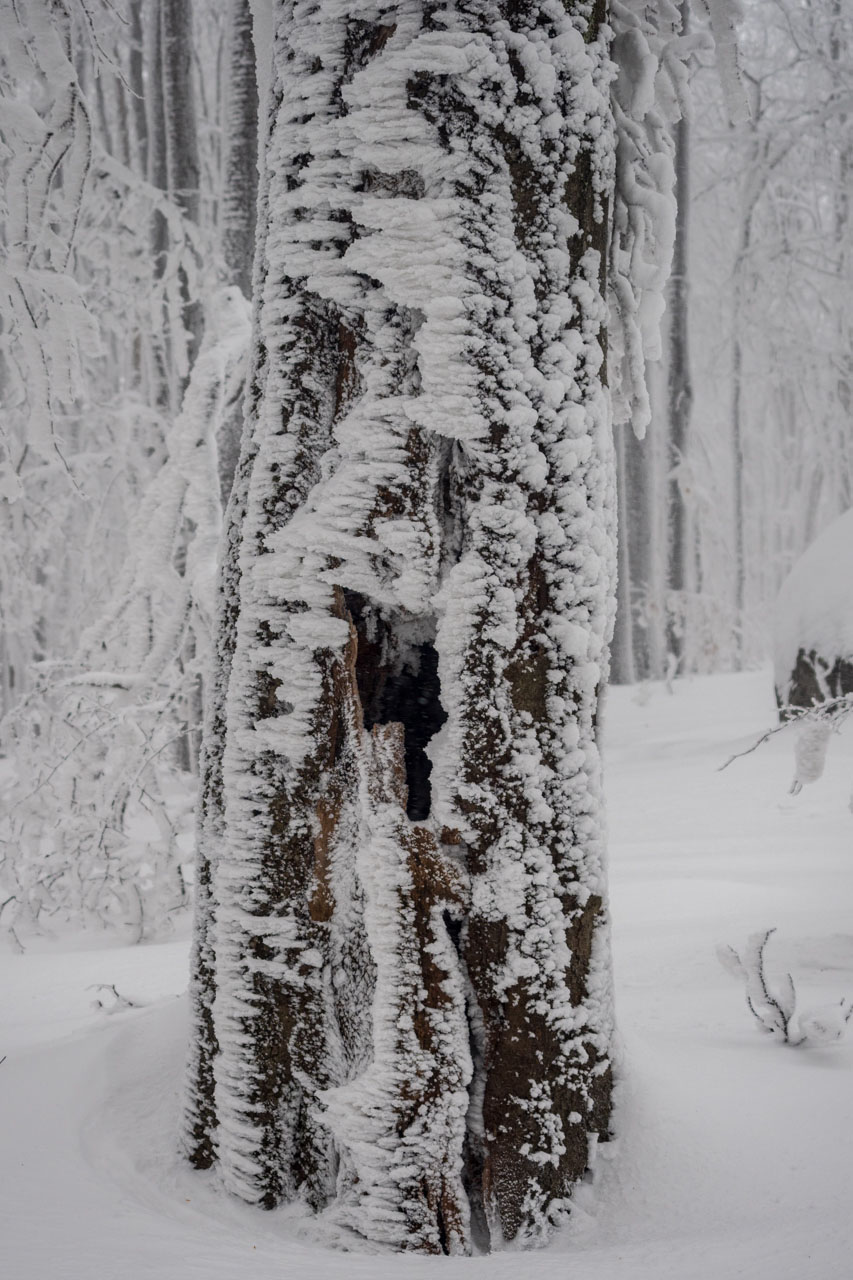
[(401, 975)]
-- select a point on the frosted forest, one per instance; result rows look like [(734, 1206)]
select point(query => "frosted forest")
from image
[(426, 638)]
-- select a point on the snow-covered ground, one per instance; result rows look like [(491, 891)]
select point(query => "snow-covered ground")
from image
[(734, 1156)]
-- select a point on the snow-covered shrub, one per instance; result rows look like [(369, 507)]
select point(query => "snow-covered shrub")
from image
[(813, 622), (774, 1006), (813, 647), (92, 819)]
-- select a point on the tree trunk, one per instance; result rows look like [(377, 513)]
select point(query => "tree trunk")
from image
[(680, 393), (401, 985), (136, 86), (183, 167), (163, 392), (239, 190), (240, 160), (739, 464), (173, 167), (622, 665), (635, 651)]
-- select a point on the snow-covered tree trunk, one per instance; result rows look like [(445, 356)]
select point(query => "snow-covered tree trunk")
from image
[(650, 52), (136, 86), (401, 989), (622, 657), (183, 166), (680, 392), (240, 158), (239, 192), (173, 167), (635, 652)]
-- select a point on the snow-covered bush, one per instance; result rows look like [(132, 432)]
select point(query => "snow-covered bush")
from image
[(813, 648), (774, 1005), (92, 818), (813, 622)]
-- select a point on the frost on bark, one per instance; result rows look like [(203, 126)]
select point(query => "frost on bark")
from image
[(401, 991)]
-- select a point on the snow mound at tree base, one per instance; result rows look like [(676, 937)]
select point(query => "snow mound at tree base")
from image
[(733, 1154)]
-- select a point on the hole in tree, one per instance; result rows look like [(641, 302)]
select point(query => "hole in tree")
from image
[(397, 675)]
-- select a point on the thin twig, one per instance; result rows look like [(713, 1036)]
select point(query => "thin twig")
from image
[(758, 743), (832, 708)]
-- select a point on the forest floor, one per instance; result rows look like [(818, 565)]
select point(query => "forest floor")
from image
[(734, 1154)]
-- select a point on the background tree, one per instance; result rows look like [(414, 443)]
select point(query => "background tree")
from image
[(238, 212), (767, 464), (649, 99), (679, 394)]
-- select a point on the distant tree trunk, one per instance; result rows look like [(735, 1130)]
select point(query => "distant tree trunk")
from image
[(680, 392), (239, 191), (173, 167), (754, 183), (240, 159), (634, 654), (15, 655), (839, 47), (162, 388), (622, 665), (739, 463), (643, 546), (136, 86), (401, 992), (183, 167)]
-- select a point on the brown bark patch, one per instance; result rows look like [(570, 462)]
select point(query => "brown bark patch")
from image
[(579, 937)]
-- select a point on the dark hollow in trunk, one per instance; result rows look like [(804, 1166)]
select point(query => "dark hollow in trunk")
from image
[(396, 671)]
